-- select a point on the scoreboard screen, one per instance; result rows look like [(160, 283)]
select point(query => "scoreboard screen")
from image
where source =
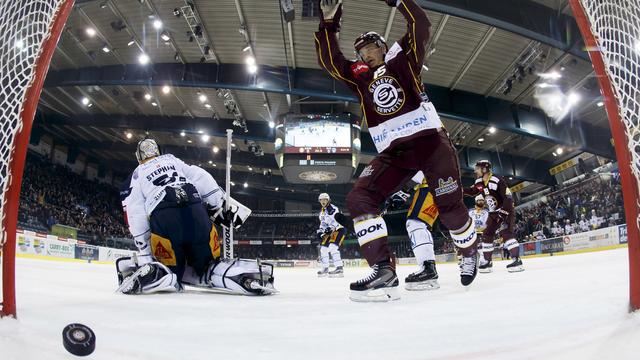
[(317, 134)]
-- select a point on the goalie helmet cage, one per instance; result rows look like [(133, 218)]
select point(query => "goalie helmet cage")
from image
[(29, 32), (611, 32)]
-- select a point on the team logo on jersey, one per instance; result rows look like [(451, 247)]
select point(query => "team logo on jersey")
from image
[(388, 96), (358, 68), (446, 187), (492, 204), (367, 171)]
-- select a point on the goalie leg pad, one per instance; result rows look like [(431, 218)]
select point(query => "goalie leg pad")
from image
[(150, 278), (241, 276)]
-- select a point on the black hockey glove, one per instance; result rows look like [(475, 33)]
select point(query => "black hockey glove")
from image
[(328, 231), (399, 199), (392, 3), (502, 214), (330, 13)]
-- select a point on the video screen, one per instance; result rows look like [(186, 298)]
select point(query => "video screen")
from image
[(317, 136)]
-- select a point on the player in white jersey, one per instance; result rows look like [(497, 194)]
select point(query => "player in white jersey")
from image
[(331, 233), (167, 205), (421, 218), (479, 214)]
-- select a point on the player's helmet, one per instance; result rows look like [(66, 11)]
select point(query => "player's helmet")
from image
[(147, 148), (368, 38), (324, 196), (484, 166)]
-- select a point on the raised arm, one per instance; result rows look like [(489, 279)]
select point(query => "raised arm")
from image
[(328, 51), (414, 42)]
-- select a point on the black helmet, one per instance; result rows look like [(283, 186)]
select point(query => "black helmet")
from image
[(484, 165), (368, 38)]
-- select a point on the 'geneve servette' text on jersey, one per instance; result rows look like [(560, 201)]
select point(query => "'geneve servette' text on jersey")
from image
[(392, 96)]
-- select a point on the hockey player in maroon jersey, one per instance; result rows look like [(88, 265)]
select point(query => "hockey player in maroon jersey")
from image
[(501, 219), (408, 135)]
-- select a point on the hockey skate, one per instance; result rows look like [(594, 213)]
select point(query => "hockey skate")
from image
[(515, 266), (425, 279), (380, 286), (337, 273), (485, 267), (468, 269), (323, 272)]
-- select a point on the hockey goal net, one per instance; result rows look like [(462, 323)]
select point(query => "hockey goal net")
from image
[(611, 32), (29, 32)]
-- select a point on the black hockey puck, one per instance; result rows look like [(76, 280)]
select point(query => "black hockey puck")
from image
[(78, 339)]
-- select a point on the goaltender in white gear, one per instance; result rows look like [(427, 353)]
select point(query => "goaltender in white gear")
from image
[(331, 234), (167, 205)]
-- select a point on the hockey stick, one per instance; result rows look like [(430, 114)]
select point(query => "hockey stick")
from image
[(227, 231)]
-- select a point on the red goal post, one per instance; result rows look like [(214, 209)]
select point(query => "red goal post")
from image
[(29, 32), (611, 32)]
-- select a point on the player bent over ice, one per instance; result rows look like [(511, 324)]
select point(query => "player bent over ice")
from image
[(332, 234), (408, 134), (167, 204), (421, 219)]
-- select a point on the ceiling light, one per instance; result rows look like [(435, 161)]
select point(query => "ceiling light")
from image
[(89, 105), (250, 60), (272, 124), (85, 101), (143, 59), (131, 42), (19, 44), (147, 96), (233, 184), (245, 185), (510, 177), (106, 49), (277, 188), (233, 145), (573, 99), (166, 89), (554, 154), (253, 69), (165, 36), (205, 138), (91, 32), (154, 103), (189, 141), (480, 139), (157, 24), (215, 149), (210, 162), (214, 165), (207, 106), (129, 135), (202, 98), (553, 75), (200, 132), (250, 168), (636, 46), (246, 48), (544, 85), (560, 151), (492, 130), (600, 104), (182, 133)]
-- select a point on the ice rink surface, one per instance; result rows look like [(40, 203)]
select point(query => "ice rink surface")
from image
[(562, 307)]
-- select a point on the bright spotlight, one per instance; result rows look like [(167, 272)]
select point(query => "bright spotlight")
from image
[(207, 106), (277, 188), (600, 104), (182, 133), (166, 89), (492, 130), (19, 44), (85, 101), (573, 99), (147, 96), (250, 60), (129, 135), (253, 69), (157, 24), (91, 32), (202, 98), (205, 138), (272, 124), (552, 75), (215, 149), (154, 104), (245, 185), (560, 151), (143, 59)]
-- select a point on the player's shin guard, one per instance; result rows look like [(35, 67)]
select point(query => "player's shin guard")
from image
[(465, 239), (324, 257), (486, 264), (372, 237), (421, 241), (150, 278), (240, 276), (337, 261), (514, 250)]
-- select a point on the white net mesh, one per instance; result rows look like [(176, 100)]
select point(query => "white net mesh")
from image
[(24, 27), (615, 25)]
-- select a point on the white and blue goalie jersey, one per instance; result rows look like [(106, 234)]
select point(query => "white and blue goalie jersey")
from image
[(145, 189), (479, 217)]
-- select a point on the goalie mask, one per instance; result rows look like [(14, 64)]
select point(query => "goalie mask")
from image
[(146, 149), (370, 37)]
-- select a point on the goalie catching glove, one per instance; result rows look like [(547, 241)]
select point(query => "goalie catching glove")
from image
[(235, 216)]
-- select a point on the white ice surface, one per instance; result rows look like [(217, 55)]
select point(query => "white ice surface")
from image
[(563, 307)]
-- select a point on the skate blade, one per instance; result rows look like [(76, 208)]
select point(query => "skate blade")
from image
[(421, 286), (336, 275), (323, 275), (485, 271), (376, 295), (516, 269)]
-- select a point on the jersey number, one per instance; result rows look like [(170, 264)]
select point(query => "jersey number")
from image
[(165, 180)]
